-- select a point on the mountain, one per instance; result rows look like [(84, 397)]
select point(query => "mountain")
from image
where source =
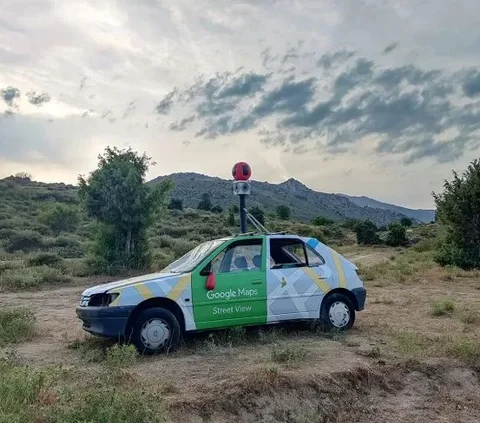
[(304, 202), (423, 215)]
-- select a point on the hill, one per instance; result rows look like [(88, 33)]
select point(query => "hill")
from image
[(304, 202), (423, 215)]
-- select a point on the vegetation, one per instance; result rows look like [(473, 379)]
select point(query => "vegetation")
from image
[(443, 307), (16, 325), (258, 214), (117, 196), (176, 204), (283, 212), (60, 217), (205, 203), (366, 233), (396, 235), (458, 211)]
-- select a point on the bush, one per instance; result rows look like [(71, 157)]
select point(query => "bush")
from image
[(405, 221), (442, 307), (458, 211), (66, 246), (258, 214), (16, 325), (60, 218), (24, 241), (47, 259), (366, 232), (396, 235), (205, 203), (321, 221), (176, 204), (216, 209), (283, 212), (30, 277)]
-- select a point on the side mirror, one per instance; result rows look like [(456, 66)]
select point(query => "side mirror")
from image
[(210, 283)]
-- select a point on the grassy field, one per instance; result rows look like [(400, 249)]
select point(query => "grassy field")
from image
[(413, 354)]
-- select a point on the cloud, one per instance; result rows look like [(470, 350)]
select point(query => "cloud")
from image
[(38, 99), (10, 95), (471, 83), (405, 109), (330, 60), (390, 48)]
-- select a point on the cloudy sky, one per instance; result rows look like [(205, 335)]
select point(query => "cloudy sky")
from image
[(363, 97)]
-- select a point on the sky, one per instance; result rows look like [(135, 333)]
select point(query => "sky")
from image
[(363, 97)]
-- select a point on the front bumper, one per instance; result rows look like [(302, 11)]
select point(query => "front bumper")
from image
[(107, 321), (360, 296)]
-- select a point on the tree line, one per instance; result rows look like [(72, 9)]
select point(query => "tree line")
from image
[(123, 205)]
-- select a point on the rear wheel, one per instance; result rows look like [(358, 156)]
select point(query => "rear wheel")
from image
[(156, 330), (337, 313)]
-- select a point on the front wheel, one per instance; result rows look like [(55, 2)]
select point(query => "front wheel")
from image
[(337, 313), (156, 330)]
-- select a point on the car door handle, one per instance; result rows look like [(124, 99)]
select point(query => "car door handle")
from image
[(257, 281)]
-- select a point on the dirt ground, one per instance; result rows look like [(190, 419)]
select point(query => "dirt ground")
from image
[(361, 376)]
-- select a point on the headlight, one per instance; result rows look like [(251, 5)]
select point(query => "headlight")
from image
[(84, 301), (98, 300)]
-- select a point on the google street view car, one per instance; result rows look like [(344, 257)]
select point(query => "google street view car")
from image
[(249, 279)]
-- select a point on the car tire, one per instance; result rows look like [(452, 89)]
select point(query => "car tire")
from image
[(156, 330), (337, 313)]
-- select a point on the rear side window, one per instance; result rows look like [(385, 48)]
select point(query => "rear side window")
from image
[(314, 259)]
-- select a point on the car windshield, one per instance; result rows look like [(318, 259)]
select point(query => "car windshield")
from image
[(189, 261)]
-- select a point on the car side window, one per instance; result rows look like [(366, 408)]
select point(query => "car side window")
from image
[(314, 259), (285, 253), (239, 257)]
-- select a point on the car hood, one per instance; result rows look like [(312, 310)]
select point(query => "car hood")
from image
[(102, 288)]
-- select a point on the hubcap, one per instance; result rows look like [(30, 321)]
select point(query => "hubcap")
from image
[(339, 314), (155, 333)]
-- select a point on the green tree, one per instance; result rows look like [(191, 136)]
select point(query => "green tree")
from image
[(366, 232), (176, 204), (205, 203), (258, 214), (60, 217), (396, 235), (406, 221), (116, 195), (283, 212), (458, 212)]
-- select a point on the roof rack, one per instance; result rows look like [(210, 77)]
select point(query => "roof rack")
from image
[(261, 230)]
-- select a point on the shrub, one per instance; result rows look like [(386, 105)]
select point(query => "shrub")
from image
[(44, 258), (24, 241), (321, 221), (406, 221), (396, 235), (258, 214), (16, 325), (176, 204), (216, 209), (67, 246), (288, 354), (366, 232), (205, 203), (283, 212), (443, 307), (458, 211), (60, 217)]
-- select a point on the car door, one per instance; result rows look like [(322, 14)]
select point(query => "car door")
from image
[(239, 295), (297, 280)]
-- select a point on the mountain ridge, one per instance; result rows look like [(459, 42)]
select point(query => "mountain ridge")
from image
[(304, 202)]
